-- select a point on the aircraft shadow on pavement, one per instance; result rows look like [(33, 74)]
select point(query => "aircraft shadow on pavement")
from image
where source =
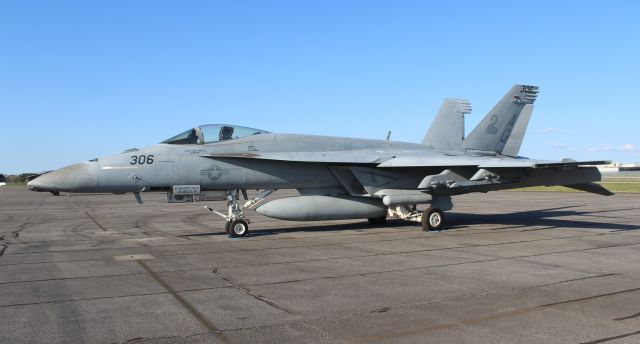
[(547, 218), (315, 227), (559, 217)]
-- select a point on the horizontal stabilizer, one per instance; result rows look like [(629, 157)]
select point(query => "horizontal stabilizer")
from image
[(482, 162), (592, 188), (572, 163)]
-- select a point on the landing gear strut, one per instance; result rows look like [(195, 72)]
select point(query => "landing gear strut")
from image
[(237, 224), (431, 219), (236, 214)]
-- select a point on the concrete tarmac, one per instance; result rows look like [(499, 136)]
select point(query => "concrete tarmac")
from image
[(514, 267)]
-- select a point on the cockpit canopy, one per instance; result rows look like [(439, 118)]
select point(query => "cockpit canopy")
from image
[(210, 133)]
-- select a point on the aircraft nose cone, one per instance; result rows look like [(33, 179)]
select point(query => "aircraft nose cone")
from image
[(37, 184), (81, 177)]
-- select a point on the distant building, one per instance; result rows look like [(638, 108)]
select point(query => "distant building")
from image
[(619, 167)]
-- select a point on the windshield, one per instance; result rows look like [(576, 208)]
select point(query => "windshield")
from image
[(188, 137), (210, 133)]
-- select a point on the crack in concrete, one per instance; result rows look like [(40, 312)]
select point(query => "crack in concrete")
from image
[(490, 293), (171, 338), (496, 316), (422, 251), (606, 339), (628, 317), (15, 234), (94, 221), (590, 297), (104, 297), (363, 274), (251, 293), (321, 259), (325, 334), (500, 315), (23, 226), (188, 306), (84, 209), (71, 278)]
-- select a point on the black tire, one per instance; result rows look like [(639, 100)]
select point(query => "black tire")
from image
[(238, 228), (226, 227), (377, 220), (432, 219)]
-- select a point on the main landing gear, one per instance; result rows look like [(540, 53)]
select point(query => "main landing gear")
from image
[(237, 224), (432, 219)]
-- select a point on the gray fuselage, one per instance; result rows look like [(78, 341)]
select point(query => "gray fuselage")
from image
[(160, 166)]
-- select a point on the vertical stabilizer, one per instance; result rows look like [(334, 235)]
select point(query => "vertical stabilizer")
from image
[(447, 129), (493, 132), (512, 147)]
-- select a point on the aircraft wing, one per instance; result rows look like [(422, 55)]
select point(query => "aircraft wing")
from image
[(338, 157), (385, 160)]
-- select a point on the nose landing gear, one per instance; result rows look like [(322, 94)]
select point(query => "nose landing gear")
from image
[(237, 224), (237, 228)]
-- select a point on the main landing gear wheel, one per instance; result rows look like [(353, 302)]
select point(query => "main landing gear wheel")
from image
[(226, 227), (432, 219), (238, 228)]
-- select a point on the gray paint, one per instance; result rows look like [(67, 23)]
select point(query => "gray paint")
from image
[(363, 171), (315, 208), (447, 129), (494, 130), (512, 147)]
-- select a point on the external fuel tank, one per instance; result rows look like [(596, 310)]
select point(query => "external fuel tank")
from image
[(319, 207)]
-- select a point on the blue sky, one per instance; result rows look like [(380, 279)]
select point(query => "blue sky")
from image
[(85, 79)]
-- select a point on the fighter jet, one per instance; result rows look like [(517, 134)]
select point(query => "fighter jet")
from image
[(336, 177)]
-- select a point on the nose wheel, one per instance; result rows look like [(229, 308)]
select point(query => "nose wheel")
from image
[(432, 219), (237, 224), (237, 228)]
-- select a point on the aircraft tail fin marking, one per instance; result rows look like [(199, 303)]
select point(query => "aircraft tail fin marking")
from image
[(447, 129), (512, 147), (493, 132)]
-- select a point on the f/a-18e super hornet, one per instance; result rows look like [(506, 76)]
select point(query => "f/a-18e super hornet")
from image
[(337, 178)]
